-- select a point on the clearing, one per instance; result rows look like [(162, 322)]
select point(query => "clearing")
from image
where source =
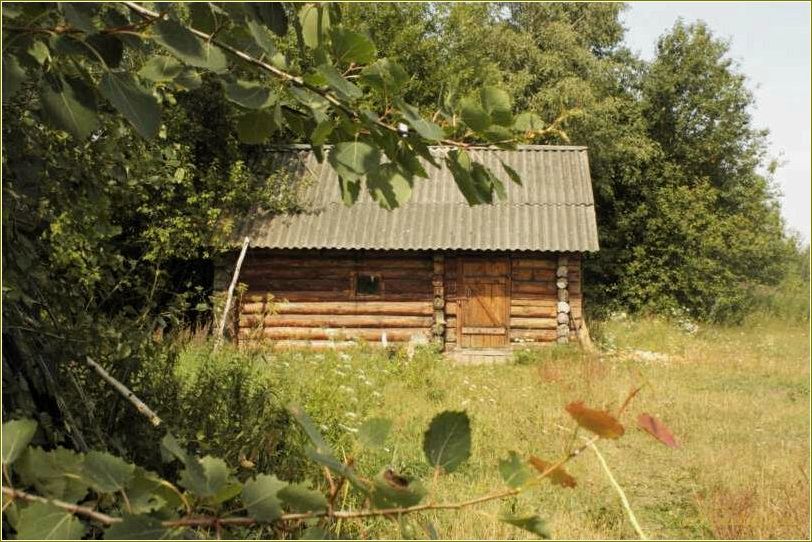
[(736, 398)]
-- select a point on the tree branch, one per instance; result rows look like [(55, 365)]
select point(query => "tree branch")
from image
[(289, 78), (125, 391)]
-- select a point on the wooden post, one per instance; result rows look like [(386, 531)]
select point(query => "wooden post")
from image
[(437, 281), (563, 306), (222, 328)]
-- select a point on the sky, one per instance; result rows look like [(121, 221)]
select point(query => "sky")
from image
[(771, 42)]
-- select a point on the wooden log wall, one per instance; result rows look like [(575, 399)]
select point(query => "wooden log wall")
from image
[(309, 299), (535, 295)]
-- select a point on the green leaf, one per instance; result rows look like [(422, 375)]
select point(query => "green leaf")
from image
[(496, 133), (161, 69), (315, 22), (321, 132), (17, 434), (249, 94), (262, 37), (227, 492), (133, 101), (374, 431), (58, 473), (171, 448), (44, 521), (107, 473), (273, 15), (534, 524), (528, 122), (511, 173), (327, 460), (384, 75), (461, 167), (424, 128), (473, 115), (514, 471), (351, 47), (392, 489), (207, 480), (497, 103), (202, 16), (389, 186), (14, 75), (39, 52), (69, 106), (310, 429), (447, 442), (352, 160), (255, 127), (188, 79), (145, 492), (79, 17), (317, 104), (139, 527), (180, 41), (350, 190), (344, 89), (260, 498), (302, 499)]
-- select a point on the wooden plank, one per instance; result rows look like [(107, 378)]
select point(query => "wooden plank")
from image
[(328, 320), (338, 296), (310, 273), (299, 284), (400, 286), (343, 263), (535, 287), (533, 311), (451, 308), (533, 301), (470, 330), (532, 323), (535, 263), (309, 345), (534, 335), (306, 333), (395, 308)]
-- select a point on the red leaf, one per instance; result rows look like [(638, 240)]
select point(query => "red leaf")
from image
[(557, 476), (656, 429), (599, 422)]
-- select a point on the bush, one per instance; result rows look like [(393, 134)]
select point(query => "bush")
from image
[(222, 403)]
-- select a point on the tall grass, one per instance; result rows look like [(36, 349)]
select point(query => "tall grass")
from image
[(736, 397)]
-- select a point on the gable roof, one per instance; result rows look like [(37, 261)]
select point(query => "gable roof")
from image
[(552, 210)]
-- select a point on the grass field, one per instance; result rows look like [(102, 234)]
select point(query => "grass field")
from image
[(737, 400)]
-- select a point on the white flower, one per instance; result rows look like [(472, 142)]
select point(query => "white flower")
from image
[(376, 394), (352, 415), (324, 427), (344, 356), (348, 428)]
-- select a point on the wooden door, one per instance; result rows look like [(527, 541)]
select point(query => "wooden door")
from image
[(485, 302)]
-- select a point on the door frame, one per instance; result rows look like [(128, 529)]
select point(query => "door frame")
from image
[(463, 299)]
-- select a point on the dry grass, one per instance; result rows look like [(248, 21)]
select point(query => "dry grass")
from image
[(736, 398)]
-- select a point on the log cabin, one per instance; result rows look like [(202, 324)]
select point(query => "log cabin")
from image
[(435, 269)]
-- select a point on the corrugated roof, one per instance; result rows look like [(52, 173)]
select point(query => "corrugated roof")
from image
[(552, 210)]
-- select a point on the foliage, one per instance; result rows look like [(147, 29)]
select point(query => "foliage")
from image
[(102, 493), (131, 147), (687, 212)]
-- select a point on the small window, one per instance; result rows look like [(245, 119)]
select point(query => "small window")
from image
[(366, 284)]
